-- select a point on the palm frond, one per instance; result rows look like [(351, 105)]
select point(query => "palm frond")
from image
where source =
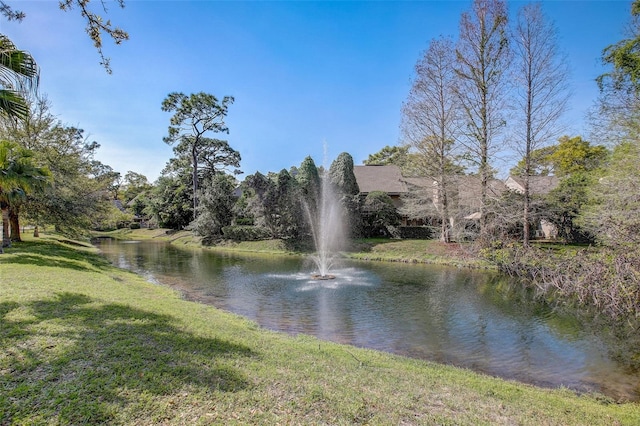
[(13, 103), (19, 75)]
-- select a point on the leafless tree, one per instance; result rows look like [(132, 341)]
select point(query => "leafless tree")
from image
[(482, 61), (541, 91), (429, 119)]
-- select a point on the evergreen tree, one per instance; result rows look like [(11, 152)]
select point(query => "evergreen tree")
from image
[(287, 198), (345, 184), (262, 204), (216, 208), (170, 201), (195, 116), (380, 216), (309, 184)]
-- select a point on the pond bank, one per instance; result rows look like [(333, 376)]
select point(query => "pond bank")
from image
[(387, 250), (85, 342)]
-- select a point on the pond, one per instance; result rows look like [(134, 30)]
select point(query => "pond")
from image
[(467, 318)]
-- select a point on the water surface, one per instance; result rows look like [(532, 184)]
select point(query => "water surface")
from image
[(452, 316)]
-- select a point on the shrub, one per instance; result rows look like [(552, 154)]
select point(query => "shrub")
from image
[(605, 280), (244, 221), (380, 217), (245, 233), (415, 232)]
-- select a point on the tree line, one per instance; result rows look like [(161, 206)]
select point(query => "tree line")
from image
[(498, 85)]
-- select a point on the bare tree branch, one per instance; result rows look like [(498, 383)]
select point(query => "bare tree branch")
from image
[(541, 93)]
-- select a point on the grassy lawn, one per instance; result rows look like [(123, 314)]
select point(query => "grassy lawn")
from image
[(417, 251), (186, 238), (176, 237), (83, 342)]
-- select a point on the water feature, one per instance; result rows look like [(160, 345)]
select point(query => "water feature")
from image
[(452, 316), (327, 228)]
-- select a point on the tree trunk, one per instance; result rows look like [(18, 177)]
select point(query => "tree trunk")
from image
[(445, 230), (6, 240), (525, 217), (14, 224), (194, 163)]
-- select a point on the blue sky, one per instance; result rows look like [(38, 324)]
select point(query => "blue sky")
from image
[(304, 74)]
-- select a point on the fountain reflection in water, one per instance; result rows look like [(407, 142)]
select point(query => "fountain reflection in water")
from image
[(327, 228)]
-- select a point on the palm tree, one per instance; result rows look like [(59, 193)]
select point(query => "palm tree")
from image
[(19, 74), (19, 176), (7, 183)]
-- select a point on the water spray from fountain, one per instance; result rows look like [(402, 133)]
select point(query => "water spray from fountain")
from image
[(327, 228)]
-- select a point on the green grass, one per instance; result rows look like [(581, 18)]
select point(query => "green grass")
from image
[(376, 249), (82, 342), (264, 246), (172, 236), (186, 238), (417, 251)]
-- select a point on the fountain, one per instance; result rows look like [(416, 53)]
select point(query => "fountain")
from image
[(327, 229)]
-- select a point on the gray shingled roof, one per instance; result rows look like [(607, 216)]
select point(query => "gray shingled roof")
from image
[(470, 190), (540, 185), (380, 178), (467, 189), (421, 182), (118, 205)]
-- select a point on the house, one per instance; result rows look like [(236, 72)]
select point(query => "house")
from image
[(464, 193), (381, 178), (538, 185), (118, 205), (420, 206)]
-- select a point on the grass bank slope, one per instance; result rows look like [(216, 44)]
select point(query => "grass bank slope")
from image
[(373, 249), (83, 342), (417, 251)]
